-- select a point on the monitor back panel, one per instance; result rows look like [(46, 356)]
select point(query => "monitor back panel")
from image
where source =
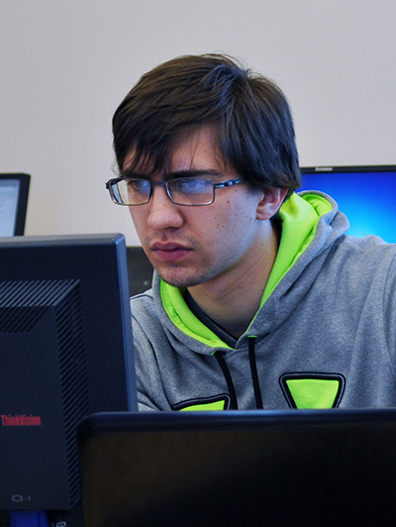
[(244, 469), (66, 352)]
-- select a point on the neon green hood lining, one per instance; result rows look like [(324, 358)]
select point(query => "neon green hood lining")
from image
[(299, 216)]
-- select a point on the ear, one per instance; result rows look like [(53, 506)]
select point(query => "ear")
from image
[(270, 202)]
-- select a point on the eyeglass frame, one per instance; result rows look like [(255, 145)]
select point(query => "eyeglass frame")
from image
[(221, 184)]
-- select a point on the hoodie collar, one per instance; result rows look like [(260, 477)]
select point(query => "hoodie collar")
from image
[(299, 217)]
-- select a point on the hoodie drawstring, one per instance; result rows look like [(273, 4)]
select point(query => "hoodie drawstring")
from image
[(227, 376), (253, 370)]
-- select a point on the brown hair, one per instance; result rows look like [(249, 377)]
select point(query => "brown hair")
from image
[(250, 113)]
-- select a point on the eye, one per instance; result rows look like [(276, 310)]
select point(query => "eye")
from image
[(190, 185), (138, 185)]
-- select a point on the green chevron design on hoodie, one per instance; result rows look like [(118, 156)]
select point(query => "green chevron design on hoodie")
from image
[(199, 405), (312, 391)]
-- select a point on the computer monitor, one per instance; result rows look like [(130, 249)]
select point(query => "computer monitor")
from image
[(239, 469), (366, 194), (66, 352), (14, 192)]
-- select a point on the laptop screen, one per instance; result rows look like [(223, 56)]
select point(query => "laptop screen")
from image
[(14, 189), (366, 194)]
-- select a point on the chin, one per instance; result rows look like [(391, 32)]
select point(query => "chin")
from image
[(180, 282), (181, 279)]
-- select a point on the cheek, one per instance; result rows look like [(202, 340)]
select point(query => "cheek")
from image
[(139, 219), (226, 227), (234, 216)]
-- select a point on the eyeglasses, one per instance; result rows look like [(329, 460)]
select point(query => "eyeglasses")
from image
[(191, 191)]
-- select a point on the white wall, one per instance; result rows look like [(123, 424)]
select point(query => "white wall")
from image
[(65, 65)]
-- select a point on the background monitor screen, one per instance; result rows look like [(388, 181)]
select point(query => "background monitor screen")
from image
[(66, 351), (366, 194), (14, 191)]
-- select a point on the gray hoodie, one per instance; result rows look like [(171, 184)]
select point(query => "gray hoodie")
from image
[(323, 337)]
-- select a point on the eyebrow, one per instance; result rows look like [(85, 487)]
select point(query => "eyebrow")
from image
[(176, 174)]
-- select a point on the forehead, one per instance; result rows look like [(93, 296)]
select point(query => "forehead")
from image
[(196, 149)]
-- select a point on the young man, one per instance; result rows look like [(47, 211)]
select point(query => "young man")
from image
[(259, 298)]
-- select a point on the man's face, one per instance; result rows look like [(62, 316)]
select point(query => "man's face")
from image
[(189, 245)]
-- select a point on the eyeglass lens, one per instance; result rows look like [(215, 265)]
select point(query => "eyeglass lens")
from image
[(181, 191)]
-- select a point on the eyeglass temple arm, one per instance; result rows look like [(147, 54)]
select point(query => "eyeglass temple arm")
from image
[(228, 183)]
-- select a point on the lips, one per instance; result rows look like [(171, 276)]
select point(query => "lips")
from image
[(168, 252)]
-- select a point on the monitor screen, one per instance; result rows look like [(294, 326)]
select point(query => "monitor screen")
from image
[(66, 351), (14, 191), (366, 194)]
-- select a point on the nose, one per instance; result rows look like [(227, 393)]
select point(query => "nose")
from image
[(163, 214)]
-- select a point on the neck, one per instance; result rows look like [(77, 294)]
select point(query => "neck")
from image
[(232, 299)]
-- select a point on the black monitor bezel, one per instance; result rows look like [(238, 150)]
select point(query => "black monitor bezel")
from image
[(346, 169)]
